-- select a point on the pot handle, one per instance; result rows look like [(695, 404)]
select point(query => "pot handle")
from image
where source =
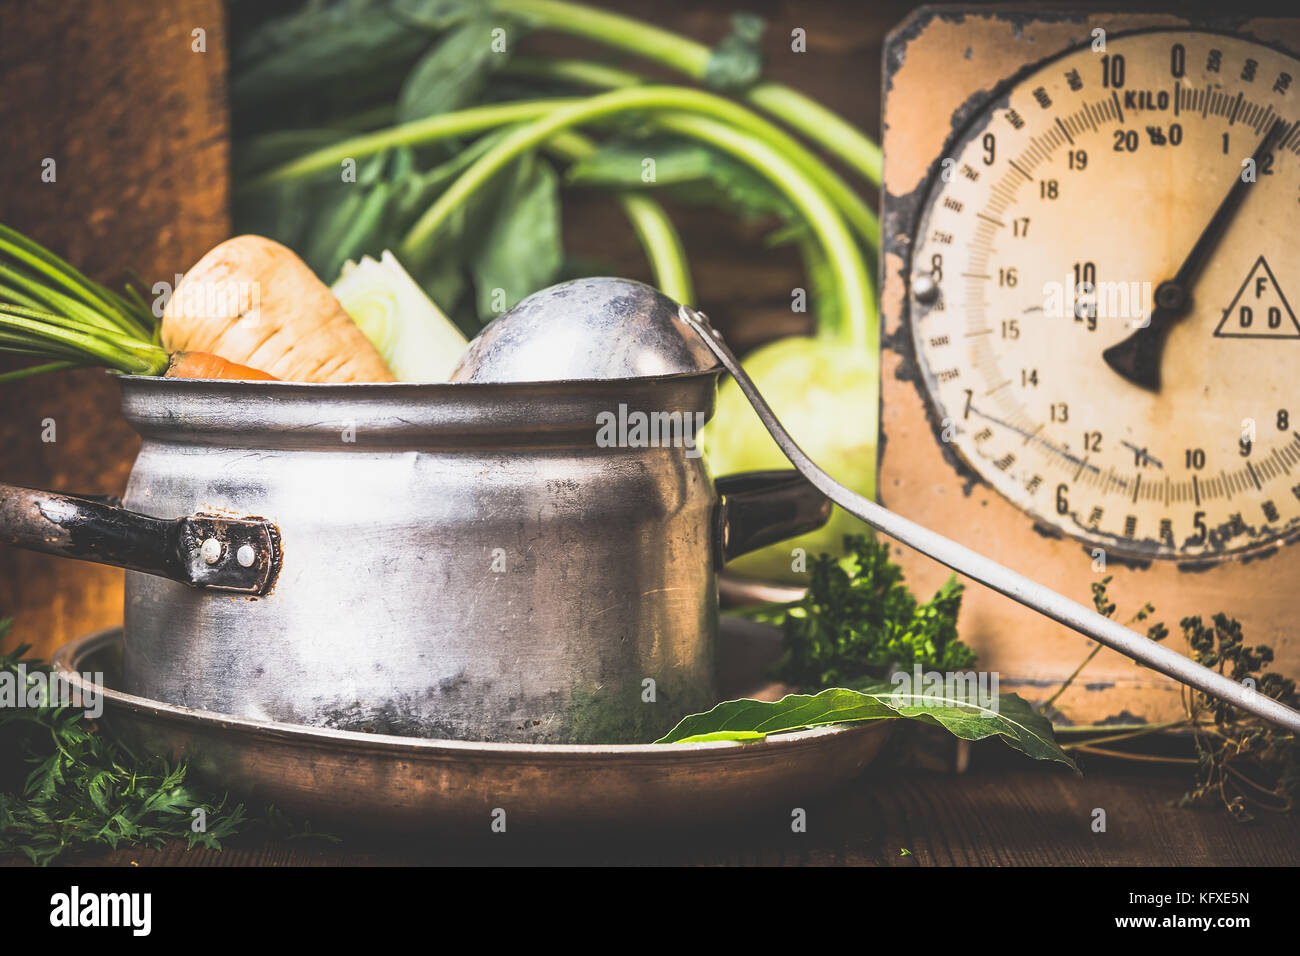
[(215, 552), (760, 507)]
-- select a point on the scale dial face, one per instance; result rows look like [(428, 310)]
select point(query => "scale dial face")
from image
[(1059, 211)]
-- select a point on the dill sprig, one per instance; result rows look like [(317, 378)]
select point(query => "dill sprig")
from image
[(1243, 763), (83, 792)]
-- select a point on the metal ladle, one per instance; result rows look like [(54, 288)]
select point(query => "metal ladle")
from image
[(988, 572), (605, 328)]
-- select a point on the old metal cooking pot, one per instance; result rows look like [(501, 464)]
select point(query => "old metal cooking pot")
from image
[(461, 560)]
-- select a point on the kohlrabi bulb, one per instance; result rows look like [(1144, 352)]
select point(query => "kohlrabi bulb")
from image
[(827, 396)]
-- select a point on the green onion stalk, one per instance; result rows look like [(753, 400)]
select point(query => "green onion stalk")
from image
[(442, 126), (655, 231), (648, 42)]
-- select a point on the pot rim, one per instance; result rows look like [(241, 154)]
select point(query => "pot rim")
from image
[(258, 384), (400, 414)]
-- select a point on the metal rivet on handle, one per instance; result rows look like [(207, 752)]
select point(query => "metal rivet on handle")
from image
[(211, 551), (245, 556)]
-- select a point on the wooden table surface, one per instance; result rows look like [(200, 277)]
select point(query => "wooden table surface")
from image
[(1004, 812)]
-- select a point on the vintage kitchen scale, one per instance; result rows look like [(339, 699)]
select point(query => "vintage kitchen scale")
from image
[(1146, 427)]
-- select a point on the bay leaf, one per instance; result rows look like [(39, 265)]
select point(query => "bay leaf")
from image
[(962, 714)]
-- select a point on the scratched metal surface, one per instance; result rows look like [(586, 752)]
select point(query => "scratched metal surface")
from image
[(457, 560)]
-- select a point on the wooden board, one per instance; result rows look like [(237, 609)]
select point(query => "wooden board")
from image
[(136, 123), (1009, 814)]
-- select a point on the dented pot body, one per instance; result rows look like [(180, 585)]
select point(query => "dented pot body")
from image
[(460, 561)]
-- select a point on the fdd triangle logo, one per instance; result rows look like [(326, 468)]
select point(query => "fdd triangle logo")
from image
[(1259, 310)]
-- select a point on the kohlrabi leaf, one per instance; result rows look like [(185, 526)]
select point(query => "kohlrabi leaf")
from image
[(451, 73), (319, 43), (959, 710), (516, 247), (690, 171)]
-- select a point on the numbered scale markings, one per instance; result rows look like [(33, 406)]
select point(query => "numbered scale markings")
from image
[(1097, 200)]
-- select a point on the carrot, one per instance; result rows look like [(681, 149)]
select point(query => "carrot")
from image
[(73, 343), (254, 302), (51, 313), (207, 365)]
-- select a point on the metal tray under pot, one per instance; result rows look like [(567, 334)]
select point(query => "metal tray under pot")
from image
[(452, 787)]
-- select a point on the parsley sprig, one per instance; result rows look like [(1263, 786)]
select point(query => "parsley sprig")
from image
[(859, 620)]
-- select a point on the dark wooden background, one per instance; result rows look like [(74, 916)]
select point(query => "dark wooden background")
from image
[(1006, 811), (138, 125)]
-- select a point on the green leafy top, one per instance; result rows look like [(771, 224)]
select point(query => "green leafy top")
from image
[(84, 792), (308, 81), (859, 620), (52, 312)]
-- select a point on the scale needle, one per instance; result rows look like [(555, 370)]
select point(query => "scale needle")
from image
[(1137, 358)]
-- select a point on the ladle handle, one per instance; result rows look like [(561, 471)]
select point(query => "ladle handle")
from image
[(988, 572)]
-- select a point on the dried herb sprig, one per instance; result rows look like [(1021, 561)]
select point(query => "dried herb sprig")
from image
[(1243, 763)]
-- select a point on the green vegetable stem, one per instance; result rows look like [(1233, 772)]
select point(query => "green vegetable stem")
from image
[(737, 136), (655, 231), (460, 185), (808, 116), (838, 192)]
